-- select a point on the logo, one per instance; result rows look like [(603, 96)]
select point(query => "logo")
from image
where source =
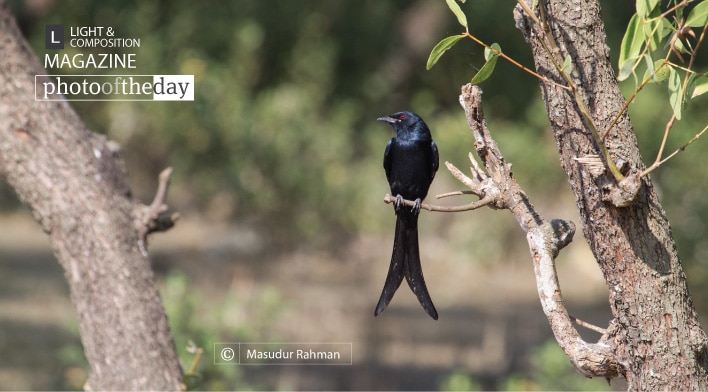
[(114, 88), (54, 37), (98, 49)]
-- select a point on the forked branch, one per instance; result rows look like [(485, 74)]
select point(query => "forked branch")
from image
[(496, 187), (545, 240)]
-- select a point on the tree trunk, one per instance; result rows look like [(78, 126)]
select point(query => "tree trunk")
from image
[(73, 181), (655, 331)]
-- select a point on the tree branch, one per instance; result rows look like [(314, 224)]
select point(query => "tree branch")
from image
[(545, 240), (592, 360), (152, 218), (431, 207), (592, 327), (498, 182)]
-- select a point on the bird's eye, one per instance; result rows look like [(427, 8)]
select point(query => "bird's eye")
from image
[(402, 117)]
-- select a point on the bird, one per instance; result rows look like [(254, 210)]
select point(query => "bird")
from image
[(410, 161)]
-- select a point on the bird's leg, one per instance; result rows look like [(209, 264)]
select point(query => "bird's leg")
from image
[(416, 207), (398, 203)]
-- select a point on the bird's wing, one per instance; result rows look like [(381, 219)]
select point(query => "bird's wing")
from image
[(388, 157), (436, 158)]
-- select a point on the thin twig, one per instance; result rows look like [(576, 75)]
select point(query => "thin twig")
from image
[(431, 207), (455, 193), (158, 204), (514, 62), (629, 101), (196, 359), (587, 325), (678, 150), (647, 45), (667, 130), (639, 57), (151, 220)]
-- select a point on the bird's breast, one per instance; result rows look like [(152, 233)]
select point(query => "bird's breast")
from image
[(411, 172)]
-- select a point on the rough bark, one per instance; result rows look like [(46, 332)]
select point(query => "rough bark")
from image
[(73, 181), (655, 333)]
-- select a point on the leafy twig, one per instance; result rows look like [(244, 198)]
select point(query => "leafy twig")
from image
[(630, 100), (514, 62), (585, 113), (678, 150), (669, 125)]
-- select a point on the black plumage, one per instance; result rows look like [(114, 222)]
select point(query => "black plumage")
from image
[(410, 161)]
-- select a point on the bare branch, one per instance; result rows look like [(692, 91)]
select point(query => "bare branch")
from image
[(158, 204), (498, 182), (430, 207), (453, 193), (545, 240), (592, 360), (589, 326), (152, 217)]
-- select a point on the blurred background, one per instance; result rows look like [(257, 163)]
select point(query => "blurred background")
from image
[(279, 181)]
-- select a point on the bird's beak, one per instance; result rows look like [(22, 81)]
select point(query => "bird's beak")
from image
[(388, 119)]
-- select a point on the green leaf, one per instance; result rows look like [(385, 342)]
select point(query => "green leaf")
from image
[(650, 67), (567, 65), (455, 8), (626, 69), (664, 28), (440, 48), (662, 72), (675, 93), (699, 15), (690, 86), (488, 53), (701, 86), (645, 7), (658, 70), (678, 45), (486, 71), (631, 46)]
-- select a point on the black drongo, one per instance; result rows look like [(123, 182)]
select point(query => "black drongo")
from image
[(410, 161)]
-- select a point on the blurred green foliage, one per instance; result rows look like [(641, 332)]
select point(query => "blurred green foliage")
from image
[(552, 371), (548, 370), (198, 320), (282, 133), (459, 381)]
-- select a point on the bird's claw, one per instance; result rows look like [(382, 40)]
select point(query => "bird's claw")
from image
[(398, 203), (416, 206)]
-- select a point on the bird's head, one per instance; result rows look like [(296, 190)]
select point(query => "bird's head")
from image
[(407, 124)]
